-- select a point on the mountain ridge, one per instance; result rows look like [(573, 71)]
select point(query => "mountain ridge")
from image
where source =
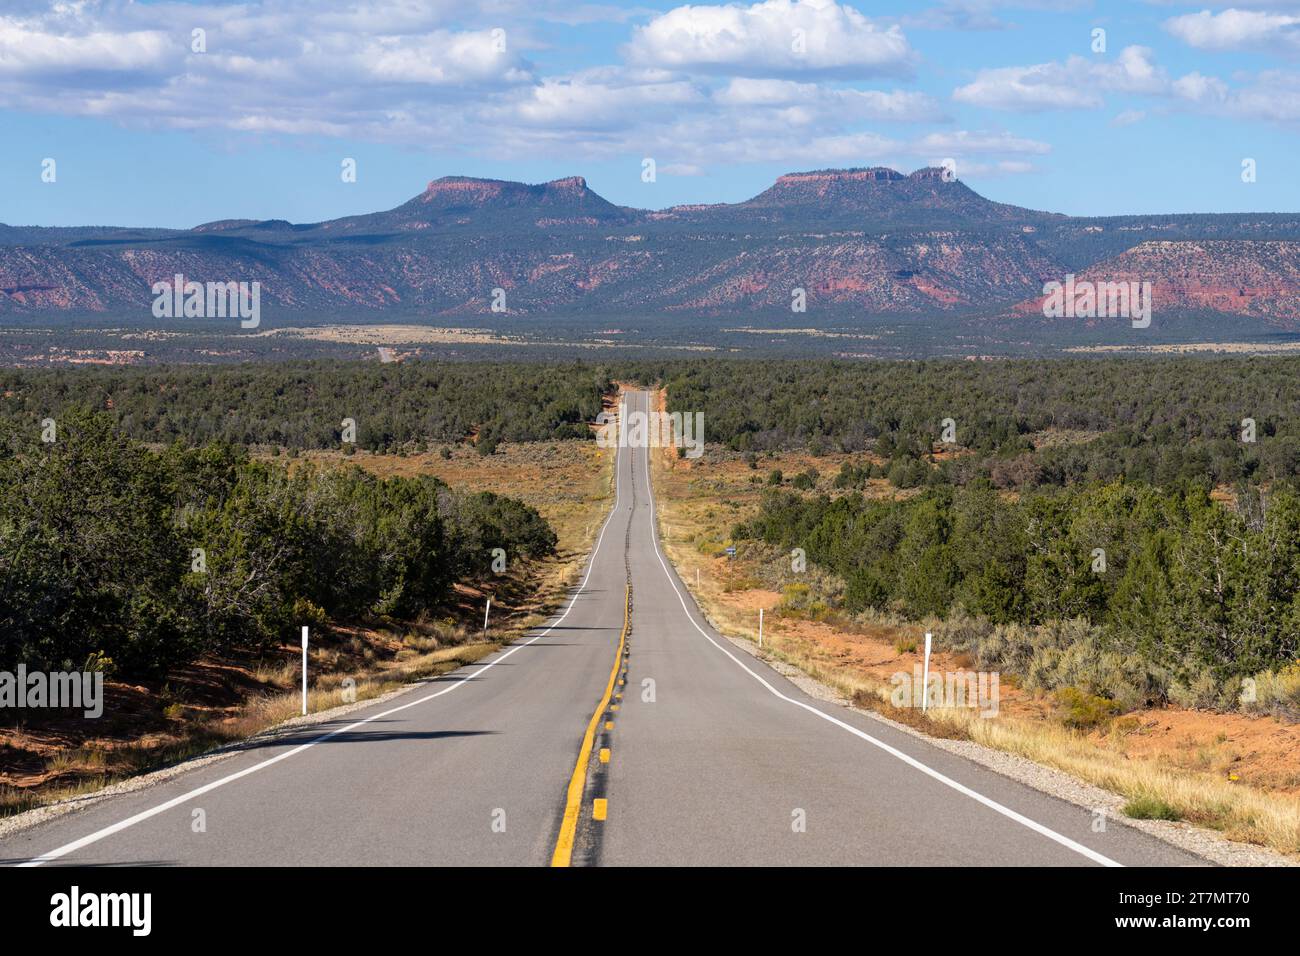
[(445, 190), (861, 241)]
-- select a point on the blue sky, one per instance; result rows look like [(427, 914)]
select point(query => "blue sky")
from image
[(145, 129)]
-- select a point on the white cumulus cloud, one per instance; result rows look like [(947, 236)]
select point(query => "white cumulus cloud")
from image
[(816, 99), (1076, 83), (1235, 29), (26, 49), (962, 141), (772, 38)]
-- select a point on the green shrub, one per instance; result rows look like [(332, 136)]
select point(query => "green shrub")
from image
[(806, 480), (1202, 692), (795, 596), (1150, 808), (1081, 711), (123, 583), (1275, 692)]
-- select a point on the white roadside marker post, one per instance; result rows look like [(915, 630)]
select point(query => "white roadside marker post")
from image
[(697, 579), (760, 627), (304, 670), (925, 680), (486, 611)]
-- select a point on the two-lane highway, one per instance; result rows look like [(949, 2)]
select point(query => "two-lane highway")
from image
[(725, 763)]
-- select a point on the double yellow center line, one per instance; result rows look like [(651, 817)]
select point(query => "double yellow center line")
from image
[(563, 854)]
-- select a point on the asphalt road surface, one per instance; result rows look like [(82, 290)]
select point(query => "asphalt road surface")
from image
[(728, 764)]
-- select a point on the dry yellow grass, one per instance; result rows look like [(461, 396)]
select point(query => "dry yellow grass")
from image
[(99, 769), (329, 692)]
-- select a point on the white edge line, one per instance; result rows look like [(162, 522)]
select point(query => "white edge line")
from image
[(230, 778), (892, 751)]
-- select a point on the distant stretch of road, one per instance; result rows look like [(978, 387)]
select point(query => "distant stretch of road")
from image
[(729, 764)]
